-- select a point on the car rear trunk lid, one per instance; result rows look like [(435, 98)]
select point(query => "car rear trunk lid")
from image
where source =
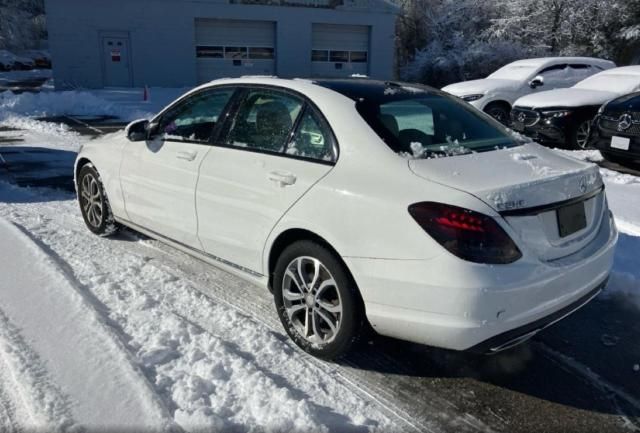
[(528, 185)]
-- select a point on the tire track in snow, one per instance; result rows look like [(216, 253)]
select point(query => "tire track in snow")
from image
[(219, 286), (41, 226), (36, 400)]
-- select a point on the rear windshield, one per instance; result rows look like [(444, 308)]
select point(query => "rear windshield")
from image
[(422, 124)]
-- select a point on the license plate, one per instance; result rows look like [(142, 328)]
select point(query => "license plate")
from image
[(571, 219), (621, 143)]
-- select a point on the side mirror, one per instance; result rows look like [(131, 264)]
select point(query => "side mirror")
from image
[(138, 130), (537, 82)]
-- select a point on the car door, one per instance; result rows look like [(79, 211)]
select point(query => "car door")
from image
[(158, 176), (276, 146)]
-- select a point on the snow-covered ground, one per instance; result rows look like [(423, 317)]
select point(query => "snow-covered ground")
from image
[(126, 104), (107, 333), (34, 74)]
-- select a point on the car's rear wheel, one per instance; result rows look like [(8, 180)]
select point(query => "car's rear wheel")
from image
[(580, 136), (94, 204), (317, 301)]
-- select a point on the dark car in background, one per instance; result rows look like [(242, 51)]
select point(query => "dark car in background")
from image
[(564, 116), (616, 130)]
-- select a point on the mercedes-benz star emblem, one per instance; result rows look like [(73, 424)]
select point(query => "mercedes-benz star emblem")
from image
[(522, 117), (583, 184), (625, 122)]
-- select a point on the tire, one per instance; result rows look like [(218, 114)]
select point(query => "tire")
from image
[(94, 204), (579, 136), (499, 111), (297, 305)]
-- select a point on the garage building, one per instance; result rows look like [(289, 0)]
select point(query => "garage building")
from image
[(174, 43)]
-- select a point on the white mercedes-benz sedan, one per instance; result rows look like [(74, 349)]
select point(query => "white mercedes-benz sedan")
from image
[(361, 202)]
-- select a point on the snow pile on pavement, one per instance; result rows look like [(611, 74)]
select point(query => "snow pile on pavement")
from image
[(59, 352), (210, 365), (125, 104), (7, 77), (47, 104)]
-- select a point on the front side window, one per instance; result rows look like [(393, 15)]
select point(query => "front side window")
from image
[(312, 139), (194, 118), (421, 124), (264, 120)]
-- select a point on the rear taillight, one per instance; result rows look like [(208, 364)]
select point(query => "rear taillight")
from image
[(469, 235)]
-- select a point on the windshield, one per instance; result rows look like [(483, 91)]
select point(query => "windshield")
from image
[(617, 83), (420, 124), (514, 72)]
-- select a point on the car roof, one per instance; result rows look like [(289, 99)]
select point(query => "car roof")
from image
[(623, 70), (549, 61), (353, 88)]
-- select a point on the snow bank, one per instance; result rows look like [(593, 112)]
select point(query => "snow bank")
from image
[(47, 104), (75, 368), (214, 366), (125, 104)]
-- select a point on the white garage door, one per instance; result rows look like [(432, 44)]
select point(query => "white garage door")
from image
[(232, 48), (339, 50)]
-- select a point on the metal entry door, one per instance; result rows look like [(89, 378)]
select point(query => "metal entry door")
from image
[(115, 52)]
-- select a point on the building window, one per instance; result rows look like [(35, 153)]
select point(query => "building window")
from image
[(320, 56), (235, 53), (358, 57), (339, 56), (261, 53), (210, 52)]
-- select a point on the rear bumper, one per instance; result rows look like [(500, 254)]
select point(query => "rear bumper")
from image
[(449, 303), (521, 334)]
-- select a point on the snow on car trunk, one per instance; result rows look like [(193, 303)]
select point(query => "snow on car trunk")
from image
[(526, 177)]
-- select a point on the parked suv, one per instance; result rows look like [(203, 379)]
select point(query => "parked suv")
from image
[(564, 116), (496, 94), (616, 129)]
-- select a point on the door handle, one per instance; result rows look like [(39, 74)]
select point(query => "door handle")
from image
[(187, 156), (282, 179)]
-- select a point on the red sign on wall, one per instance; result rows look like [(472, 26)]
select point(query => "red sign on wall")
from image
[(115, 56)]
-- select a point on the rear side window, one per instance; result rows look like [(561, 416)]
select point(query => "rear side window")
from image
[(312, 139), (423, 125)]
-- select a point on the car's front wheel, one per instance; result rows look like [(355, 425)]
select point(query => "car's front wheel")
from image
[(580, 136), (317, 300), (499, 111), (94, 204)]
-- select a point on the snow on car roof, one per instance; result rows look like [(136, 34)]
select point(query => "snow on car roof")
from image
[(623, 70), (544, 61)]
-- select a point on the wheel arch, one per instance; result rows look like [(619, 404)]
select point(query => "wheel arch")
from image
[(288, 237), (80, 162), (501, 102)]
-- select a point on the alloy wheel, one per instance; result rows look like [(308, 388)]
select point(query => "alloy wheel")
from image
[(582, 135), (91, 200), (312, 300)]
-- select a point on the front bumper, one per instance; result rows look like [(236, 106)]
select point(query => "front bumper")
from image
[(545, 130), (452, 304), (601, 140)]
